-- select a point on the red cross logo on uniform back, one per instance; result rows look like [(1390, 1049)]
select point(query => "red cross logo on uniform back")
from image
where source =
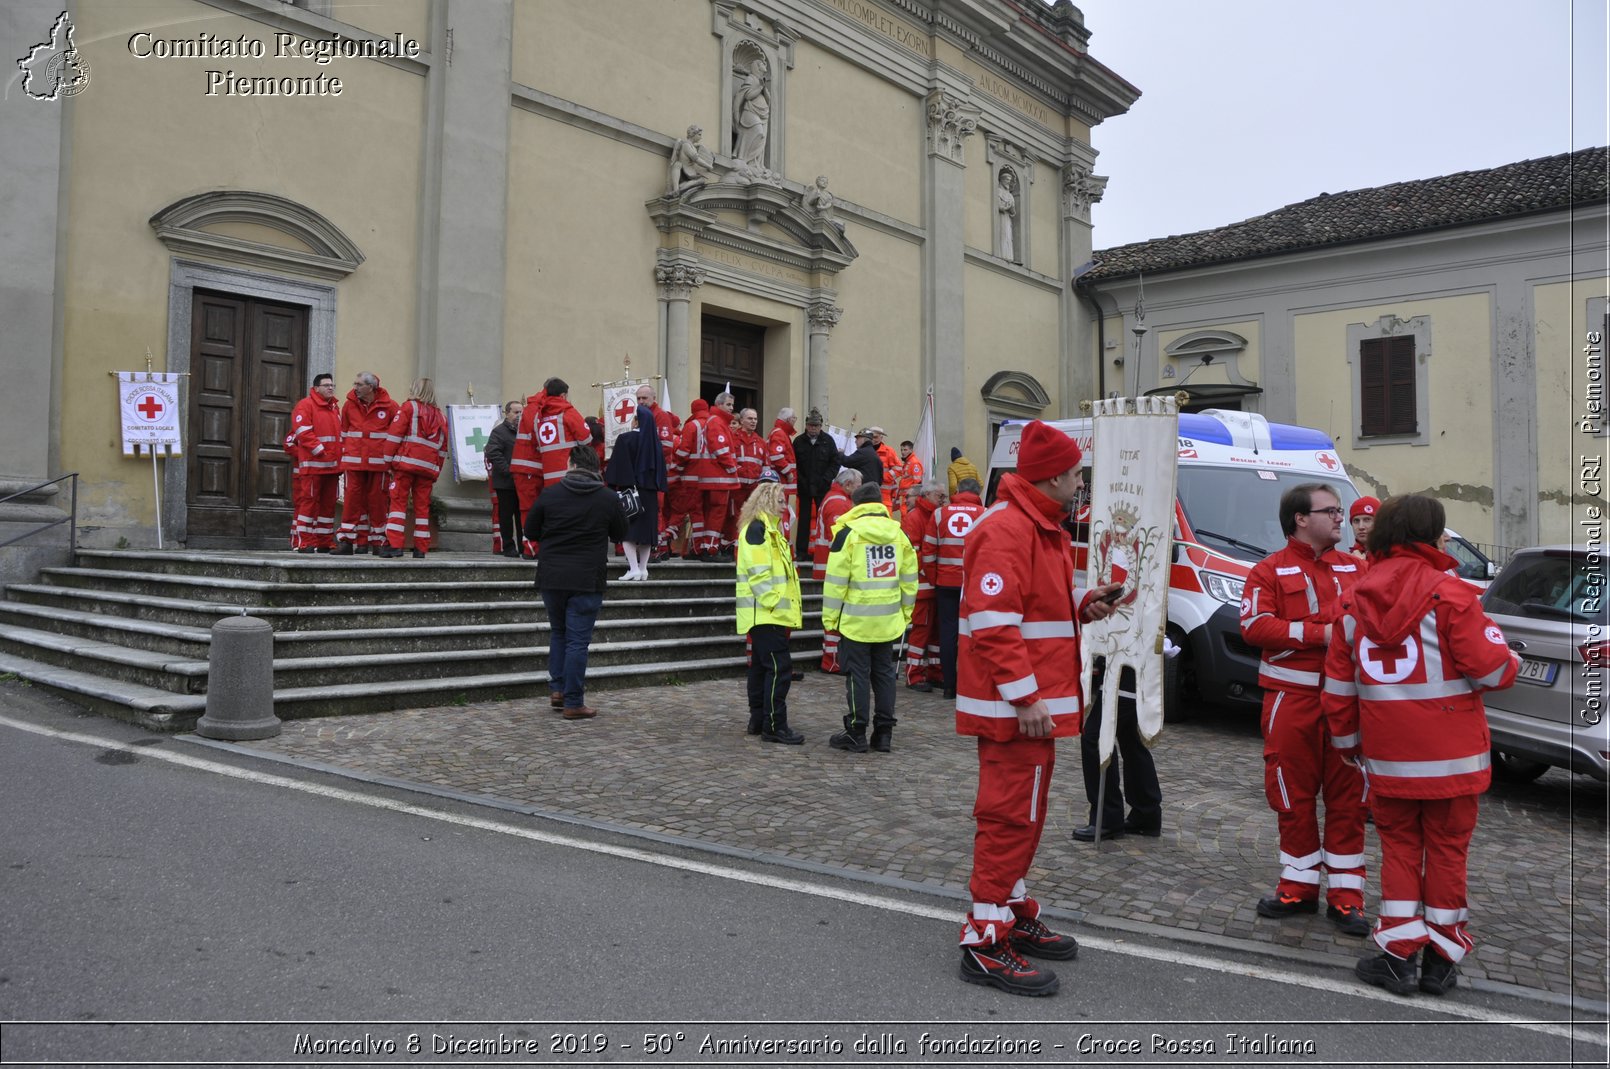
[(1388, 664), (625, 409), (547, 433), (149, 408)]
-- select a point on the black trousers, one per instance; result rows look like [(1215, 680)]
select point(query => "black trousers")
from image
[(1139, 776), (947, 615), (869, 680), (509, 519), (802, 531), (771, 673)]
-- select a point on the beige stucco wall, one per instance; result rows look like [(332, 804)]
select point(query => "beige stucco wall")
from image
[(875, 352), (864, 133), (1247, 363), (1560, 315), (144, 135), (1456, 466), (411, 18), (651, 62), (1045, 221), (581, 290), (1010, 327)]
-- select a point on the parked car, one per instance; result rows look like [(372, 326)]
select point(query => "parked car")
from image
[(1474, 565), (1550, 603)]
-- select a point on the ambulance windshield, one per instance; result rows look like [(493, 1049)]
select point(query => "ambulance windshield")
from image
[(1236, 510)]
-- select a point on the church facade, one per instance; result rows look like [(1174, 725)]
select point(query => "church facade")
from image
[(837, 204)]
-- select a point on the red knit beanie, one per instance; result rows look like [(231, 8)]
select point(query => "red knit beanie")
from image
[(700, 406), (1364, 506), (1045, 452)]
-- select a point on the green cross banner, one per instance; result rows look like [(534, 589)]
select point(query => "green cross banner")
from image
[(469, 429)]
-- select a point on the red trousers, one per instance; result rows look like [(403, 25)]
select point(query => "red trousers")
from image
[(736, 500), (315, 509), (1300, 766), (715, 503), (1014, 781), (682, 503), (922, 643), (409, 489), (1425, 844), (363, 516)]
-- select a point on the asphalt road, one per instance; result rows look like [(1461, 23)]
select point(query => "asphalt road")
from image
[(146, 880)]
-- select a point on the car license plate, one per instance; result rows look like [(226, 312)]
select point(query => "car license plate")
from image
[(1539, 672)]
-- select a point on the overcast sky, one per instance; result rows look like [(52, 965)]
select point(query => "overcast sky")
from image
[(1249, 105)]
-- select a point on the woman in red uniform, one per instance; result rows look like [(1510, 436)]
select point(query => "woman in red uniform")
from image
[(1410, 656)]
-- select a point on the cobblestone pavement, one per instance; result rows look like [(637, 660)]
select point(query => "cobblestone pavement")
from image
[(675, 761)]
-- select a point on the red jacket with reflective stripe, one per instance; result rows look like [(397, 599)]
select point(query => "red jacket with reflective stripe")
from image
[(365, 431), (749, 450), (780, 455), (524, 458), (1019, 638), (316, 427), (913, 522), (669, 428), (558, 429), (945, 538), (1287, 601), (421, 436), (834, 506), (1404, 675), (705, 458), (891, 472)]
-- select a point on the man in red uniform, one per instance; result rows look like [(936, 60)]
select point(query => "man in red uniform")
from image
[(749, 450), (780, 458), (943, 542), (1361, 517), (834, 506), (718, 478), (316, 427), (549, 427), (891, 466), (666, 425), (922, 646), (1291, 599), (365, 419), (683, 500), (909, 476), (1018, 691)]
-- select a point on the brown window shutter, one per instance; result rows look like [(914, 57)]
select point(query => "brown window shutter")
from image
[(1400, 389), (1372, 387)]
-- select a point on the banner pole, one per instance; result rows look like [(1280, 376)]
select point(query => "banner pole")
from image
[(156, 487)]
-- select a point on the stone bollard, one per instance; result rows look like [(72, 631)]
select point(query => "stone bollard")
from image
[(240, 682)]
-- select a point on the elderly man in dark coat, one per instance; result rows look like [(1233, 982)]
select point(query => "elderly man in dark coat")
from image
[(817, 459)]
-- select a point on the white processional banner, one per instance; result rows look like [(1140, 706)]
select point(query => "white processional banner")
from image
[(620, 409), (149, 405), (1134, 456), (468, 429)]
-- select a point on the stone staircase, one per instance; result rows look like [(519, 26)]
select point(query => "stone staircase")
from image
[(127, 632)]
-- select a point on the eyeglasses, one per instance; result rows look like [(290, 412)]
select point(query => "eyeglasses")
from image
[(1335, 512)]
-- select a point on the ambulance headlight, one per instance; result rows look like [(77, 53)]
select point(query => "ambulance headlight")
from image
[(1221, 587)]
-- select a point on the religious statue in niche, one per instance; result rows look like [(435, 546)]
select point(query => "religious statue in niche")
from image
[(692, 165), (819, 202), (751, 110), (1006, 215)]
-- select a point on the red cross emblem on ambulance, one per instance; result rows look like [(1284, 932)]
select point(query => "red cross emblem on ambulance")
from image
[(1328, 462)]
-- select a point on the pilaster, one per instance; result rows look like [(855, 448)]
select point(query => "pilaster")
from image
[(677, 281), (952, 119), (1080, 190), (822, 317)]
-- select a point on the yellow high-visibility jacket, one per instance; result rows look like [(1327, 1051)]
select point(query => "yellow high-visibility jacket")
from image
[(871, 584), (768, 585)]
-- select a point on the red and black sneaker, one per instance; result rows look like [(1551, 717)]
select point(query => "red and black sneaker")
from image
[(1032, 937), (1350, 919), (1284, 905), (1000, 965)]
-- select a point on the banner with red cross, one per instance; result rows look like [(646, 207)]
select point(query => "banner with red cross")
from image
[(620, 409), (148, 403)]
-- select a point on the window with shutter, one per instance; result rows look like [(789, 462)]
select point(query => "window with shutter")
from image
[(1388, 402)]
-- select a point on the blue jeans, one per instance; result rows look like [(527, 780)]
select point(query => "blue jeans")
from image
[(571, 615)]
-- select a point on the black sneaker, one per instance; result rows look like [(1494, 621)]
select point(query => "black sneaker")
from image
[(1144, 827), (787, 736), (1001, 965), (305, 549), (1087, 834), (344, 549), (1032, 937), (1397, 975), (362, 551), (1350, 919), (843, 740), (1438, 975), (921, 688), (1281, 905), (881, 739), (756, 719), (419, 554)]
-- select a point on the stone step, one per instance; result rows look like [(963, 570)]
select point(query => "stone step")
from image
[(190, 612), (148, 668), (181, 641), (164, 711)]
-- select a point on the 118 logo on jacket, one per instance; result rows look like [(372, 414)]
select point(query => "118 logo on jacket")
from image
[(880, 562)]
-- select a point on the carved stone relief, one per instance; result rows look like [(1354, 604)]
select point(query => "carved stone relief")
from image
[(1080, 189), (678, 281), (951, 121)]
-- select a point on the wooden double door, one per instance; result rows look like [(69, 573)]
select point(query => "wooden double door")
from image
[(730, 351), (248, 365)]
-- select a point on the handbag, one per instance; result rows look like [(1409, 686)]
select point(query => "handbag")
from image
[(631, 504)]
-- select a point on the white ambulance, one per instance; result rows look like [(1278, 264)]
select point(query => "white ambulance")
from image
[(1233, 467)]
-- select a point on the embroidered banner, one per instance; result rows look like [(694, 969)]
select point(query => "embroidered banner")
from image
[(468, 428), (149, 405), (1133, 459), (620, 409)]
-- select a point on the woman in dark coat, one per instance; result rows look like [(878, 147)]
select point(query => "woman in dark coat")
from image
[(499, 448), (638, 461)]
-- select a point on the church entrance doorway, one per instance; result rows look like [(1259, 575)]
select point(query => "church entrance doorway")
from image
[(731, 352), (248, 361)]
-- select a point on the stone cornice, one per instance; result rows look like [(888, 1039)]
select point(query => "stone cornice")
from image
[(180, 226), (814, 244), (283, 16)]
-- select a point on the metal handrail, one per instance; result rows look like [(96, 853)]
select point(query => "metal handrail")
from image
[(71, 518)]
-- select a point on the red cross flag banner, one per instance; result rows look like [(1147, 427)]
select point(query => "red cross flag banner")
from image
[(620, 409), (149, 404), (468, 429), (1133, 460)]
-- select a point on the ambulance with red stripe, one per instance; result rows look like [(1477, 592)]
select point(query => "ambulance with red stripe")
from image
[(1233, 467)]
